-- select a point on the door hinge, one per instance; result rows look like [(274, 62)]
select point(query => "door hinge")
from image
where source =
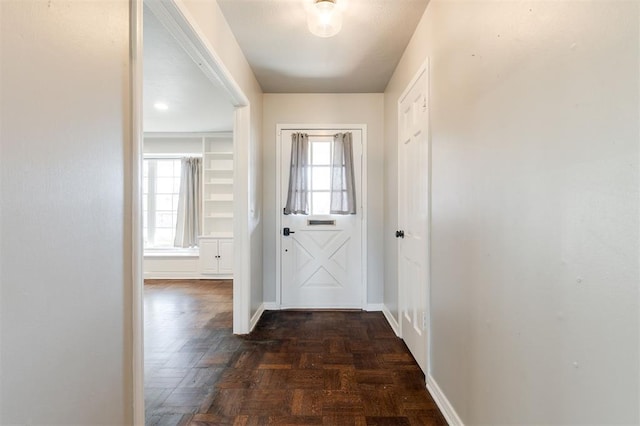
[(425, 320)]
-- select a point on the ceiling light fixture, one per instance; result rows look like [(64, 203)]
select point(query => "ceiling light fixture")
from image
[(324, 18)]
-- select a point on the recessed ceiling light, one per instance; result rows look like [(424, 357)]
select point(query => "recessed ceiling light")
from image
[(161, 106)]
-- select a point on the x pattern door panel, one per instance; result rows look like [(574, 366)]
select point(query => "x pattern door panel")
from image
[(320, 258), (319, 262)]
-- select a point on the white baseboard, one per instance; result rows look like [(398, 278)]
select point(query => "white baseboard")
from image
[(391, 320), (170, 275), (443, 403), (256, 317), (371, 307), (183, 276)]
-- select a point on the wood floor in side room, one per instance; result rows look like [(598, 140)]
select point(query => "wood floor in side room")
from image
[(295, 368)]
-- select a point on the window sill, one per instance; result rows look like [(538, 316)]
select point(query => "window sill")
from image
[(164, 253)]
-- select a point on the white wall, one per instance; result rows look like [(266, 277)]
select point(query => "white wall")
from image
[(172, 145), (65, 250), (323, 109), (534, 132), (172, 267), (218, 35)]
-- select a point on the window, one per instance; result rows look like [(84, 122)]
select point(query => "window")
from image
[(321, 177), (161, 188), (320, 174)]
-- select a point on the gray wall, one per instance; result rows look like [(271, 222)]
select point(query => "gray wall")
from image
[(65, 181), (534, 132)]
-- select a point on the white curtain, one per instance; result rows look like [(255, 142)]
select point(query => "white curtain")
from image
[(343, 194), (189, 203), (298, 193)]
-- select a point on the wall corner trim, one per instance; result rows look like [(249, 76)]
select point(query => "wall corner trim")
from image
[(443, 403)]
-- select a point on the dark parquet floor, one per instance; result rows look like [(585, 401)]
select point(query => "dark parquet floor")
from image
[(295, 368)]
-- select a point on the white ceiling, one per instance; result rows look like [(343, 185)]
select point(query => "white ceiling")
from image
[(195, 103), (284, 55), (287, 58)]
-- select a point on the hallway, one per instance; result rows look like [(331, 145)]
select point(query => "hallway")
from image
[(295, 368)]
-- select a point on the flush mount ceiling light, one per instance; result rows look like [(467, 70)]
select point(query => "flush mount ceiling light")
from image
[(324, 18)]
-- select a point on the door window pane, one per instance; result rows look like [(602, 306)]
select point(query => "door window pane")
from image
[(320, 179), (321, 153), (320, 174)]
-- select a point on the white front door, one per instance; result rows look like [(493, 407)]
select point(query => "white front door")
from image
[(321, 257), (413, 217)]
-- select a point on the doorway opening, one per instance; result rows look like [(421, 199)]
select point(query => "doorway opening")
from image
[(216, 251)]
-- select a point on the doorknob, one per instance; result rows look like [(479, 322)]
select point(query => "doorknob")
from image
[(399, 234), (287, 231)]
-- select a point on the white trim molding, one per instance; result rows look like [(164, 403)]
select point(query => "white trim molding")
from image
[(242, 242), (170, 275), (391, 320), (256, 317), (374, 307), (137, 290), (443, 403)]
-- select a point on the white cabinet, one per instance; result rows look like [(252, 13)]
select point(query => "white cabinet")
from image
[(216, 256)]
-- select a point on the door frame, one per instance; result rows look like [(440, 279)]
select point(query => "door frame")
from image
[(179, 22), (423, 69), (363, 202)]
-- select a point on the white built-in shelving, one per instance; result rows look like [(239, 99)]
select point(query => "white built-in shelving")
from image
[(217, 188)]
